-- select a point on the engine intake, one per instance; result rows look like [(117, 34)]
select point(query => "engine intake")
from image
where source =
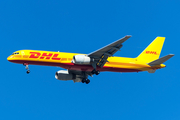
[(64, 75), (82, 60)]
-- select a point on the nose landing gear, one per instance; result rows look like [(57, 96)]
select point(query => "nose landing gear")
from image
[(28, 71), (27, 68)]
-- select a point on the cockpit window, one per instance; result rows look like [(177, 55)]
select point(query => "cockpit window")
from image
[(15, 53)]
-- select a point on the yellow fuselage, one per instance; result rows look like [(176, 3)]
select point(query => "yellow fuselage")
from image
[(64, 60)]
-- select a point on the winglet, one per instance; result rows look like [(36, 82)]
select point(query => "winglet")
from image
[(161, 60)]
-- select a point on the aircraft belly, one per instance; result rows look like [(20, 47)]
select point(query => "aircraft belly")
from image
[(105, 68), (72, 66)]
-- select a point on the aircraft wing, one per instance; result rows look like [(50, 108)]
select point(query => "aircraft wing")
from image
[(102, 54)]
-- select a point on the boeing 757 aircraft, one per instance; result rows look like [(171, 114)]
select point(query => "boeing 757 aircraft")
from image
[(80, 66)]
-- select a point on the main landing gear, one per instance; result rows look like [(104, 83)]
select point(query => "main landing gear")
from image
[(85, 76), (94, 65), (87, 81), (27, 68), (95, 72)]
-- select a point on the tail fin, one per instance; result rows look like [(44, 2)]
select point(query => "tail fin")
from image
[(153, 51)]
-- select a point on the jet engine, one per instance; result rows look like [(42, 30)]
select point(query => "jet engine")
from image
[(64, 75), (82, 60)]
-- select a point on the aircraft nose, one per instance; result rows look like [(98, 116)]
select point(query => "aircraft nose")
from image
[(9, 58)]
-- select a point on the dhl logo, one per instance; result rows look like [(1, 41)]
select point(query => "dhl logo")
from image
[(151, 52), (44, 55)]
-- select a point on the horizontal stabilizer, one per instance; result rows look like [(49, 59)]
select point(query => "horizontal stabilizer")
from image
[(161, 60)]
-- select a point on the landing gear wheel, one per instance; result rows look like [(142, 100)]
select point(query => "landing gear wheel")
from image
[(97, 72), (94, 71), (28, 72), (83, 80), (87, 81)]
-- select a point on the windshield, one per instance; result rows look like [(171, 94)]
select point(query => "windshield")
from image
[(15, 53)]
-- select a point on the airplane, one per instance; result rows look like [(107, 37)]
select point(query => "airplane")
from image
[(80, 66)]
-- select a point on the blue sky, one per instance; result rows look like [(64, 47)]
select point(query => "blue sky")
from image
[(82, 27)]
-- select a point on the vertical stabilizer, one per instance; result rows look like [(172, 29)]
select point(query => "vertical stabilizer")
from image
[(152, 52)]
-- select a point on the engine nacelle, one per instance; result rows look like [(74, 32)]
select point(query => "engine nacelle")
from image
[(82, 60), (64, 75)]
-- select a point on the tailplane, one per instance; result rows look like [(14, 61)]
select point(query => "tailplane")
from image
[(160, 60), (152, 52)]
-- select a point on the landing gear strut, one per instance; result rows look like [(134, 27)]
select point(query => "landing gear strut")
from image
[(27, 68), (95, 71)]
